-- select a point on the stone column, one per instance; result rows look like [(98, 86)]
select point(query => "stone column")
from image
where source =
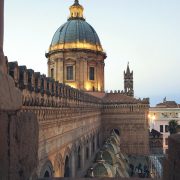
[(90, 149), (95, 143), (83, 156), (73, 165)]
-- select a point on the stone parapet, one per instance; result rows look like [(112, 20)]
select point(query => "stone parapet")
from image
[(39, 90)]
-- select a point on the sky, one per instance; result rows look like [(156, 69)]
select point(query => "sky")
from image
[(145, 33)]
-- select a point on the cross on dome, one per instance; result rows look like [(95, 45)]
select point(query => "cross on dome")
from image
[(76, 2)]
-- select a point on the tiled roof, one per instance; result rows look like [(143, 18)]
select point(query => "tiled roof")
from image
[(168, 104), (119, 98)]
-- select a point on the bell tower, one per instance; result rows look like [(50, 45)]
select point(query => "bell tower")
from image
[(128, 82)]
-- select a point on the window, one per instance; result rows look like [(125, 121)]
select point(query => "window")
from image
[(66, 168), (98, 140), (79, 158), (161, 128), (166, 128), (69, 71), (52, 73), (93, 145), (91, 73), (87, 153)]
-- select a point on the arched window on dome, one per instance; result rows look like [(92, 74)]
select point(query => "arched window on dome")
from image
[(52, 73), (69, 73), (91, 74)]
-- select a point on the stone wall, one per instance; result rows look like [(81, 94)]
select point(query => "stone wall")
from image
[(130, 119), (62, 131), (172, 162), (68, 119), (19, 131), (19, 144)]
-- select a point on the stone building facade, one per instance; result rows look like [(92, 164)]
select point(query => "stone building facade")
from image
[(161, 115), (70, 111), (155, 142), (129, 116), (71, 122), (18, 130)]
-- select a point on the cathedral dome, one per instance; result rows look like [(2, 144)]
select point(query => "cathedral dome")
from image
[(76, 33)]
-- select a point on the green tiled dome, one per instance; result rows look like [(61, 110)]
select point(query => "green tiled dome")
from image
[(76, 30), (76, 33)]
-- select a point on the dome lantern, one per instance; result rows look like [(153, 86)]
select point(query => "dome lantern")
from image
[(76, 11)]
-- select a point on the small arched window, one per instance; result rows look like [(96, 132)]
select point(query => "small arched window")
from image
[(46, 174), (79, 158), (87, 153), (66, 168), (52, 73), (93, 145), (91, 73)]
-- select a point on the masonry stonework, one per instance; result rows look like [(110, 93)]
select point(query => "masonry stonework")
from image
[(51, 129)]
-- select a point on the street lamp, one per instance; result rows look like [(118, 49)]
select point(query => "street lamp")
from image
[(151, 121)]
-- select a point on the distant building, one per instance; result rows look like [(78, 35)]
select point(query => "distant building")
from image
[(160, 116), (156, 151), (155, 142)]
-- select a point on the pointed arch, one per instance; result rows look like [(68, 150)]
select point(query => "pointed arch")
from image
[(67, 167), (47, 170), (67, 162)]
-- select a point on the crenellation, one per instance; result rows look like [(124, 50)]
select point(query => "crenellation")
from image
[(38, 89), (13, 71), (49, 86), (23, 77), (31, 80)]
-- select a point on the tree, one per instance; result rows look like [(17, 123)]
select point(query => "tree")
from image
[(173, 125)]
